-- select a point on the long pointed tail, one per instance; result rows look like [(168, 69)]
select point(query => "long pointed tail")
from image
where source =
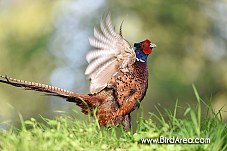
[(85, 101), (51, 90)]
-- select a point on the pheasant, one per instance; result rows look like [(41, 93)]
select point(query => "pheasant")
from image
[(118, 76)]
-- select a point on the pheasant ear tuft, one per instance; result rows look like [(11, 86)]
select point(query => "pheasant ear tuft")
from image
[(136, 44)]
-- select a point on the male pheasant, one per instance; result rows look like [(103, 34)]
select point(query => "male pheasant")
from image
[(118, 74)]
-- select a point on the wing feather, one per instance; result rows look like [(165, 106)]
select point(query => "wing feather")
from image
[(98, 44), (105, 30), (96, 63), (112, 54), (95, 54), (110, 26), (101, 37), (101, 76)]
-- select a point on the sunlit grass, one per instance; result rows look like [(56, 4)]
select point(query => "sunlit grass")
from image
[(67, 133)]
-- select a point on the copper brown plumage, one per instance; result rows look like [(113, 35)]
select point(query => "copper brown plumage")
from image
[(118, 74)]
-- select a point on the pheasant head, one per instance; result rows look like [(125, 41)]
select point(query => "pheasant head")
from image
[(143, 49)]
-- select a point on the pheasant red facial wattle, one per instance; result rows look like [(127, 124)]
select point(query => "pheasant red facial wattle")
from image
[(118, 73), (145, 45)]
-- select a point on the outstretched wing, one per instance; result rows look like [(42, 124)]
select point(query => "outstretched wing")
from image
[(112, 54)]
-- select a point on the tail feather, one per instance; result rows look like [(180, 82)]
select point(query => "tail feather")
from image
[(51, 90), (86, 101)]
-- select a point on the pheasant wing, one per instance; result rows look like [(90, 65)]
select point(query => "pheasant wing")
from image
[(112, 54)]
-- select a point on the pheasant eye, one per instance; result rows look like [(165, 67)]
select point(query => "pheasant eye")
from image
[(144, 45)]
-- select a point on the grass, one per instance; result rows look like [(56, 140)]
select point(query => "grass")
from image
[(67, 133)]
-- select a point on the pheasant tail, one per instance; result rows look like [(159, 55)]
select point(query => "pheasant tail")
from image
[(85, 101)]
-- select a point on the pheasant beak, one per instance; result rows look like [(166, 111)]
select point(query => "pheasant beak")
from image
[(152, 45)]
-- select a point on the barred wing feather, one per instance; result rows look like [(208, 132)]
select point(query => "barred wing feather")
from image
[(112, 54)]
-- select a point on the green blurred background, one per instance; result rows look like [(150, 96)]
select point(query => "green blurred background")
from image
[(46, 41)]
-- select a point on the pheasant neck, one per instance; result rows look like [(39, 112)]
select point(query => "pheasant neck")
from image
[(140, 56), (141, 75), (141, 68)]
